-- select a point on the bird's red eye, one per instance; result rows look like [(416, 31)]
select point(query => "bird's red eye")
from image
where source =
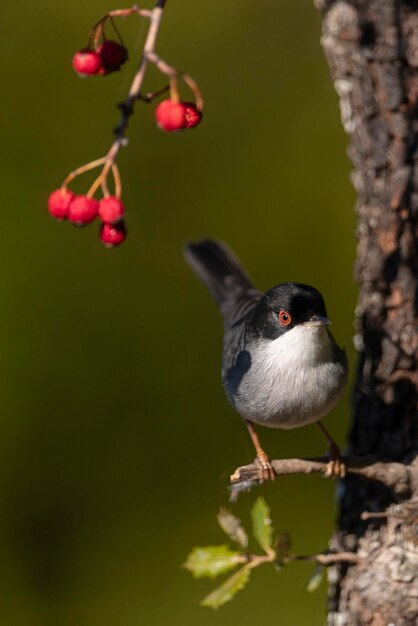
[(285, 318)]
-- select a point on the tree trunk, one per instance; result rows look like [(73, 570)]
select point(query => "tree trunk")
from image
[(372, 50)]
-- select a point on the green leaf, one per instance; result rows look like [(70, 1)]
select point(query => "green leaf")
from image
[(212, 560), (315, 579), (262, 528), (228, 589), (283, 544), (232, 526)]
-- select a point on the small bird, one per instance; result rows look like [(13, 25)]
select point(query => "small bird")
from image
[(281, 366)]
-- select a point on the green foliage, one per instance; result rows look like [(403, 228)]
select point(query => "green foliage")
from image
[(228, 589), (211, 561), (233, 527), (262, 528)]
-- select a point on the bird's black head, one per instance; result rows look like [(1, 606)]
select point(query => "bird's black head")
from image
[(285, 306)]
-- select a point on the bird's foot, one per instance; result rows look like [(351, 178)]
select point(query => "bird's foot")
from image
[(335, 467), (265, 468)]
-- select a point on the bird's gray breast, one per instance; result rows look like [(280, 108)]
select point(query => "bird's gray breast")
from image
[(287, 382)]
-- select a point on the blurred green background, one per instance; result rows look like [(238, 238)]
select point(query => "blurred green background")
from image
[(116, 441)]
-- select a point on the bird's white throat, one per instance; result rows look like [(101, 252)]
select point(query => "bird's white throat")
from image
[(302, 345)]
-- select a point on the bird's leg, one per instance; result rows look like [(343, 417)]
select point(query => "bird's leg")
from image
[(336, 467), (266, 471)]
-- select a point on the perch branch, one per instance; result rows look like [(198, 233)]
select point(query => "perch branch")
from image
[(398, 477)]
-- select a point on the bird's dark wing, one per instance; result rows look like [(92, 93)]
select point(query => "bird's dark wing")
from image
[(220, 270), (236, 360)]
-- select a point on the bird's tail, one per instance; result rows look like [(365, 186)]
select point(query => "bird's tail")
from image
[(218, 268)]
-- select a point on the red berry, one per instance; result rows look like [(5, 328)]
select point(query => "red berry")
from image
[(113, 55), (193, 115), (83, 210), (87, 62), (59, 202), (112, 235), (171, 116), (111, 209)]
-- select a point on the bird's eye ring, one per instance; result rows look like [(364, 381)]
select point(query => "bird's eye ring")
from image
[(284, 318)]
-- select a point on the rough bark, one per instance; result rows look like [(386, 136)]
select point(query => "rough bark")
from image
[(372, 50)]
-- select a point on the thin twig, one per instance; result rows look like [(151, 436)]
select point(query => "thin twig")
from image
[(127, 106), (366, 515), (149, 97), (398, 477), (326, 559), (128, 12)]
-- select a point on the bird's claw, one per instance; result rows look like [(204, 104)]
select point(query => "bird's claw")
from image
[(335, 467), (265, 468)]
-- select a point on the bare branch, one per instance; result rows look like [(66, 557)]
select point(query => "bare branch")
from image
[(329, 558), (323, 558), (398, 477), (127, 106)]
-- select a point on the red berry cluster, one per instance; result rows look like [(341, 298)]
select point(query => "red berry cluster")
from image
[(174, 116), (105, 58), (63, 204), (100, 57)]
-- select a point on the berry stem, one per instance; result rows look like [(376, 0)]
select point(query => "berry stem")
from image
[(119, 36), (174, 89), (97, 183), (81, 170), (105, 188), (149, 97), (173, 73), (97, 31), (191, 83), (118, 181), (101, 180), (127, 12)]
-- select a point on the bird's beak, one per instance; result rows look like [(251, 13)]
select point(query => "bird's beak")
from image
[(317, 320)]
